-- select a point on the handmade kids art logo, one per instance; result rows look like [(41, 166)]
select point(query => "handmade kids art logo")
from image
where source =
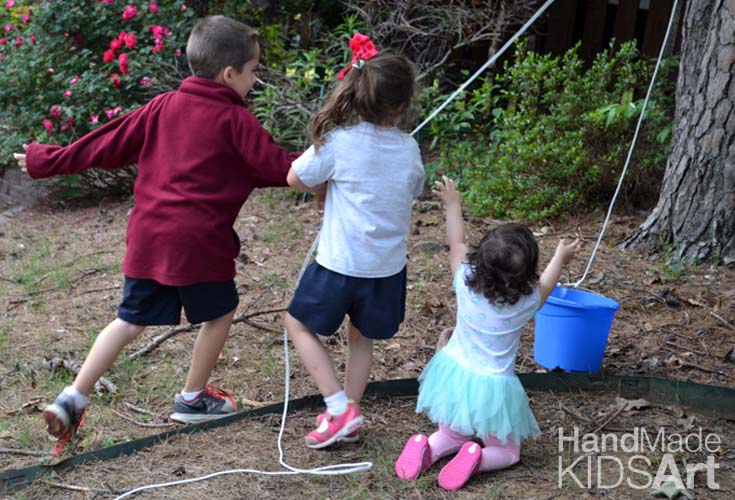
[(640, 459)]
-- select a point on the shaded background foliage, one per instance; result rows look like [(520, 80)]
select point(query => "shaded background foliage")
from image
[(536, 139)]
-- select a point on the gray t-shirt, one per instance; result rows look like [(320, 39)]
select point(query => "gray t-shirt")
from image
[(374, 173)]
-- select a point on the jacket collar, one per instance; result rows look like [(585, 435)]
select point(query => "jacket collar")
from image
[(210, 89)]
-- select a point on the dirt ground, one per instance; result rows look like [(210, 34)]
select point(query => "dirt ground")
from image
[(60, 283)]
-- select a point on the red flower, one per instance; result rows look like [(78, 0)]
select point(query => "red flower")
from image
[(69, 123), (152, 8), (362, 49), (130, 40), (48, 124), (116, 80), (129, 12), (145, 81), (122, 61), (18, 41), (55, 112), (32, 38), (3, 40), (109, 56), (67, 93), (116, 44)]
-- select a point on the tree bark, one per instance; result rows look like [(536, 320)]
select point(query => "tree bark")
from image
[(695, 213)]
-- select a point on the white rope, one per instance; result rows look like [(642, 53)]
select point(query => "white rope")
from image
[(630, 150), (346, 468), (485, 66)]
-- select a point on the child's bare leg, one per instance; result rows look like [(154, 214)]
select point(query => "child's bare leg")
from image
[(67, 410), (359, 363), (207, 348), (104, 352), (314, 356)]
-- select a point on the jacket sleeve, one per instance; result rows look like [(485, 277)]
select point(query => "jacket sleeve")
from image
[(114, 145), (267, 163)]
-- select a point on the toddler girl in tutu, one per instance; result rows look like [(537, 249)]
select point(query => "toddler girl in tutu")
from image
[(469, 388)]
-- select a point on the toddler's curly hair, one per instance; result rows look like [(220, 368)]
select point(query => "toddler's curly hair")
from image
[(504, 264)]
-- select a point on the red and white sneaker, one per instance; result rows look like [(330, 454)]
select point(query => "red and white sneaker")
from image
[(332, 428), (349, 438)]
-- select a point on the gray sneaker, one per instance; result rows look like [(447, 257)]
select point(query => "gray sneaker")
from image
[(211, 404), (62, 416)]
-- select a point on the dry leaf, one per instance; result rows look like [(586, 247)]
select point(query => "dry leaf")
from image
[(632, 404)]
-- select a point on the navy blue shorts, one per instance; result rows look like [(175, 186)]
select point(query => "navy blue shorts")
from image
[(376, 306), (147, 302)]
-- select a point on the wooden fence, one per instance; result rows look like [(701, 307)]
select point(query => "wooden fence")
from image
[(596, 22)]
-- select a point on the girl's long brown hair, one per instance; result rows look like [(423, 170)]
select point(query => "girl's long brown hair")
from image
[(380, 93)]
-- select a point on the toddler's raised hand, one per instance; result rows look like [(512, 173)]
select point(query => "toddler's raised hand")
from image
[(21, 158), (568, 250), (447, 191)]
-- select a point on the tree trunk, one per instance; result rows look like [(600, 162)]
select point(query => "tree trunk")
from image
[(695, 213)]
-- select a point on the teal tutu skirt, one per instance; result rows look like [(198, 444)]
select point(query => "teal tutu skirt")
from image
[(474, 404)]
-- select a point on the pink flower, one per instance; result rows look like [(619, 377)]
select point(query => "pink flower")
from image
[(33, 38), (48, 124), (112, 112), (108, 2), (9, 4), (26, 18), (178, 52), (9, 27), (51, 70), (18, 41), (129, 12), (3, 40), (55, 112), (183, 7), (74, 80), (94, 119), (67, 93), (116, 44), (109, 56), (152, 8), (145, 81)]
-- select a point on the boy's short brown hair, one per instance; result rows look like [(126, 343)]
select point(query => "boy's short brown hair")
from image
[(216, 42)]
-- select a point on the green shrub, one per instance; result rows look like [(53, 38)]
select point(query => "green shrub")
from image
[(548, 137), (67, 67)]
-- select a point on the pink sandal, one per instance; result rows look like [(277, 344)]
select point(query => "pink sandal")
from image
[(465, 463), (415, 458)]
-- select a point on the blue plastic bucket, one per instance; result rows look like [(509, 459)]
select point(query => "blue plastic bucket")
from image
[(572, 329)]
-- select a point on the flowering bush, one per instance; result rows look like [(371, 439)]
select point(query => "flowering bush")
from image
[(68, 66)]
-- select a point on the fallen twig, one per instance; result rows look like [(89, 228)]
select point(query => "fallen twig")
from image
[(160, 339), (86, 489), (29, 453), (54, 363), (723, 320), (138, 422), (577, 415), (610, 419), (31, 402), (143, 411)]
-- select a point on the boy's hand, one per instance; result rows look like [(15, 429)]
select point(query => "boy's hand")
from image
[(447, 191), (21, 158), (567, 251)]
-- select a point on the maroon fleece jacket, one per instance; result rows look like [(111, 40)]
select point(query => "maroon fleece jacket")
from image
[(200, 153)]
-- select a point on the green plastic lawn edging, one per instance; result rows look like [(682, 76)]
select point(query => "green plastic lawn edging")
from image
[(712, 400)]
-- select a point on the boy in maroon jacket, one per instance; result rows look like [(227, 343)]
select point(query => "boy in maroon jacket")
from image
[(200, 153)]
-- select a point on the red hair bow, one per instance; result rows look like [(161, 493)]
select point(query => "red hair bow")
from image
[(362, 49)]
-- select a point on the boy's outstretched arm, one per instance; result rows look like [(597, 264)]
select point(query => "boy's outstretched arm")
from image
[(447, 191), (564, 253), (21, 158)]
